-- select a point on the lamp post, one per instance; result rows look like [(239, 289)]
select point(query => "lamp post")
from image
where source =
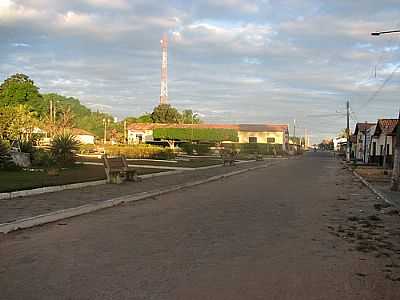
[(105, 123), (396, 161)]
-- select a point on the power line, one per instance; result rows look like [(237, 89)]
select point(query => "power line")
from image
[(376, 93)]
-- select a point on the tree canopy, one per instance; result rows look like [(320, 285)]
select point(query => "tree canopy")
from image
[(165, 113), (19, 89)]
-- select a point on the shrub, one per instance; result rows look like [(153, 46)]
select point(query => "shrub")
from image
[(187, 147), (6, 161), (63, 148), (140, 151), (42, 158), (87, 148), (256, 148)]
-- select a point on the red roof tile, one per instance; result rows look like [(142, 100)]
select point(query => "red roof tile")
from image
[(240, 127), (386, 126)]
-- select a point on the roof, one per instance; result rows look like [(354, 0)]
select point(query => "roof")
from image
[(240, 127), (386, 126), (362, 127), (79, 131)]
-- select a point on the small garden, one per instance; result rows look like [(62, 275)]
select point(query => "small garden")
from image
[(48, 167)]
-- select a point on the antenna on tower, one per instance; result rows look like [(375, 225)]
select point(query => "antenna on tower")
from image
[(164, 70)]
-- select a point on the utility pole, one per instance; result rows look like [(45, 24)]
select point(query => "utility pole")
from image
[(396, 164), (125, 132), (305, 139), (348, 132)]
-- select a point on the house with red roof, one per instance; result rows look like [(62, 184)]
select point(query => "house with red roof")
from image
[(383, 142)]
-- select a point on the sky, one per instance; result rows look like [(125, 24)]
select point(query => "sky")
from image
[(231, 61)]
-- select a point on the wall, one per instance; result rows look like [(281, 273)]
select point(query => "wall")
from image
[(85, 139), (262, 137), (147, 136)]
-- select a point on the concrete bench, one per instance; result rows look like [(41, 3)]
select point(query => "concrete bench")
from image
[(117, 170)]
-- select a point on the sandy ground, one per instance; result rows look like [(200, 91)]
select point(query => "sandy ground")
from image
[(303, 229)]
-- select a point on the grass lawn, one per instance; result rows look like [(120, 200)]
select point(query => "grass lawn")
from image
[(22, 180), (192, 163)]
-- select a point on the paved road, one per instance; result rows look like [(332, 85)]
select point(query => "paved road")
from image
[(259, 235)]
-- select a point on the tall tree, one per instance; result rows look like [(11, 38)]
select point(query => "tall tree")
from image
[(19, 89), (165, 113), (188, 117)]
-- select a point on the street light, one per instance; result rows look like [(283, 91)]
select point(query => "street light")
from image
[(396, 161), (105, 122), (376, 33)]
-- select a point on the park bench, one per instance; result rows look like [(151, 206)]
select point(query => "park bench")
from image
[(117, 170), (228, 158)]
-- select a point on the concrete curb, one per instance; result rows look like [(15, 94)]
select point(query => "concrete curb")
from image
[(374, 190), (370, 186), (92, 207), (49, 189), (58, 188)]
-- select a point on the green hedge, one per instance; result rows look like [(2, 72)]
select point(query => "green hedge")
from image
[(197, 134), (256, 148), (200, 149), (140, 151)]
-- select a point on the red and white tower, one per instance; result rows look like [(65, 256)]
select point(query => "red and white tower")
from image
[(164, 71)]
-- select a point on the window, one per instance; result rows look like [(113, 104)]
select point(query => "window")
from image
[(252, 139), (381, 150), (271, 140), (387, 149), (374, 149)]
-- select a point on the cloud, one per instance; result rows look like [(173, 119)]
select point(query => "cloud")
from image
[(232, 60)]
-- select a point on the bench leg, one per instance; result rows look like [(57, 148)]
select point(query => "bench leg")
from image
[(133, 177), (115, 178)]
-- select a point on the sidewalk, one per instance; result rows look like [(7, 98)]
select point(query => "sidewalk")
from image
[(25, 207), (393, 197)]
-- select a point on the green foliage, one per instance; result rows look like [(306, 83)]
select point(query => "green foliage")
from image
[(188, 117), (19, 89), (42, 158), (187, 147), (17, 122), (200, 149), (197, 134), (6, 162), (255, 148), (81, 116), (140, 151), (87, 148), (63, 148), (165, 113)]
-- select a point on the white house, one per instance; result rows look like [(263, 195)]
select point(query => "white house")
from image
[(381, 151), (364, 137), (83, 136)]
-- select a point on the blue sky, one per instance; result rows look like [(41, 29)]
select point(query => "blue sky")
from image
[(233, 61)]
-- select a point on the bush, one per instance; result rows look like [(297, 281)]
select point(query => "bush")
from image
[(87, 148), (187, 147), (256, 148), (63, 148), (42, 158), (6, 161), (140, 151)]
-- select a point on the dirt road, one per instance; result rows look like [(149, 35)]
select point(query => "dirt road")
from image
[(302, 229)]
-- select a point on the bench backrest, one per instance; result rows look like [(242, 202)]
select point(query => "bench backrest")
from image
[(115, 163)]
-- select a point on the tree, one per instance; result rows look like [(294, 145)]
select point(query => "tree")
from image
[(19, 89), (343, 133), (165, 113), (17, 123), (188, 117)]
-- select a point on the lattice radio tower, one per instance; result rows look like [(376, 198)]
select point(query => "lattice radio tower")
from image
[(164, 71)]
